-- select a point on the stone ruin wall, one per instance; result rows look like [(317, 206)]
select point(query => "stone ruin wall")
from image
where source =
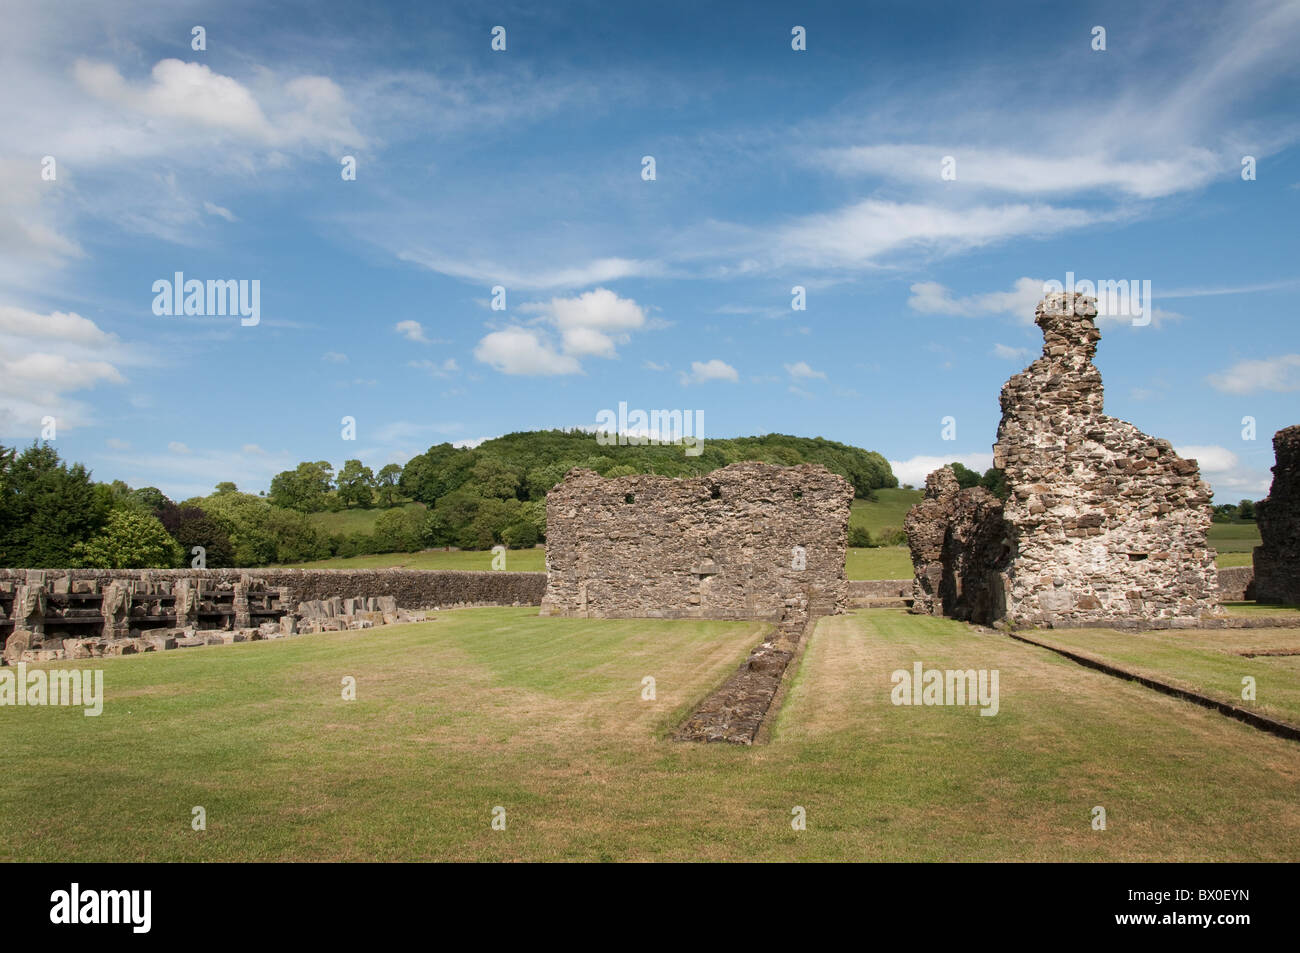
[(1104, 525), (958, 544), (1277, 558), (720, 546)]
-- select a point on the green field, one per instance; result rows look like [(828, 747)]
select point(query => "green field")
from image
[(347, 522), (1235, 538), (544, 718), (882, 562), (887, 511)]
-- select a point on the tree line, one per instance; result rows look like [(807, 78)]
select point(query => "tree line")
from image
[(53, 514)]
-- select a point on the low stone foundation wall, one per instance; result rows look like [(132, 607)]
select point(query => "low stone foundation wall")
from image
[(412, 588), (861, 589), (1236, 584)]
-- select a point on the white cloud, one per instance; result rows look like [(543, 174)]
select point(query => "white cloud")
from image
[(596, 271), (1212, 459), (1230, 289), (219, 211), (1008, 353), (524, 351), (915, 469), (309, 110), (857, 235), (1020, 303), (801, 371), (930, 297), (711, 370), (56, 326), (588, 342), (600, 308), (334, 357), (652, 366), (45, 357), (592, 324), (1230, 478), (1030, 174), (412, 331), (1281, 373), (437, 368)]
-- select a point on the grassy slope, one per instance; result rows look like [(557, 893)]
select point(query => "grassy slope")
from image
[(543, 717), (356, 520), (886, 512)]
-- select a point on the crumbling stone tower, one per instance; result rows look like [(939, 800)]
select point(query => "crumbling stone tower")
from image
[(1104, 525), (1277, 558)]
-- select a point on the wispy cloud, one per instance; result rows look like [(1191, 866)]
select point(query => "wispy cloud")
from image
[(1281, 373)]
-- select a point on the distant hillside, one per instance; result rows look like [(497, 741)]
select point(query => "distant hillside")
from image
[(540, 458)]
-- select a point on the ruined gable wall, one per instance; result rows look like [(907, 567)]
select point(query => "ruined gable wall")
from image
[(1106, 524), (718, 546), (1277, 559)]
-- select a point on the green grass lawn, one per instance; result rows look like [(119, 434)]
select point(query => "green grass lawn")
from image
[(544, 717), (882, 562), (347, 522), (1209, 662)]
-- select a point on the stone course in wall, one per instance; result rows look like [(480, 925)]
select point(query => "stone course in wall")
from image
[(1277, 558), (1104, 525), (747, 541)]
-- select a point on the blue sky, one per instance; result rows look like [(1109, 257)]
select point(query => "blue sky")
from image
[(774, 168)]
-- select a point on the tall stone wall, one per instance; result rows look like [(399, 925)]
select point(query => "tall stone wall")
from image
[(750, 540), (1104, 525), (1277, 558), (958, 544)]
